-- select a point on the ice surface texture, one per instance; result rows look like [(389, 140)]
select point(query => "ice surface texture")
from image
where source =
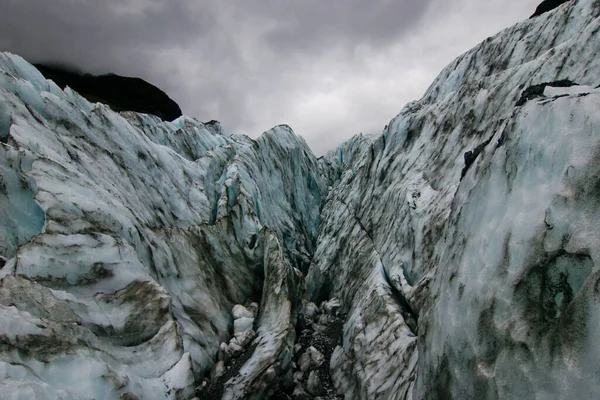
[(483, 287), (126, 241)]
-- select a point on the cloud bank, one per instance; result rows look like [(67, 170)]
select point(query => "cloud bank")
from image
[(330, 69)]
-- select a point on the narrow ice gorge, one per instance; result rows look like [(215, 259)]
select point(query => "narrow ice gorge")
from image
[(459, 244)]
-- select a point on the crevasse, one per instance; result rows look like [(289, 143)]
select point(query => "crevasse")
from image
[(126, 241)]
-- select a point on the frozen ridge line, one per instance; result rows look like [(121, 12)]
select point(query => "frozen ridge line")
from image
[(461, 242)]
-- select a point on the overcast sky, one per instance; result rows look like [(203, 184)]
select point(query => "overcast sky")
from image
[(328, 68)]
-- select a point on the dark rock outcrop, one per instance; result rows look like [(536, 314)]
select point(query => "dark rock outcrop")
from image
[(535, 91), (471, 156), (121, 93), (547, 5)]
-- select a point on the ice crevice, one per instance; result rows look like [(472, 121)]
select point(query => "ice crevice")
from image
[(452, 255), (410, 315)]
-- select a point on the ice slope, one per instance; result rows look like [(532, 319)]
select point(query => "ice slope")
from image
[(126, 241), (462, 241), (485, 287)]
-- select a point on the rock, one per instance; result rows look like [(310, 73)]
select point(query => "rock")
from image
[(202, 386), (331, 306), (243, 324), (253, 308), (303, 323), (225, 353), (547, 5), (217, 371), (311, 359), (300, 394), (270, 374), (309, 309), (245, 338), (324, 319), (304, 362), (234, 340), (119, 92), (128, 396), (250, 336), (313, 384), (235, 349), (298, 377), (240, 311)]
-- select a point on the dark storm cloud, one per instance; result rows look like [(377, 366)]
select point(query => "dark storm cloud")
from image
[(317, 24), (96, 35), (330, 69)]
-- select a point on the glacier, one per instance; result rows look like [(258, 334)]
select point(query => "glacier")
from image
[(451, 256)]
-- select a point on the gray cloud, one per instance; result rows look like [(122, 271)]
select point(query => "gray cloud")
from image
[(330, 69), (315, 24), (96, 35)]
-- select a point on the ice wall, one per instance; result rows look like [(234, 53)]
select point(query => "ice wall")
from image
[(482, 285), (126, 241)]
